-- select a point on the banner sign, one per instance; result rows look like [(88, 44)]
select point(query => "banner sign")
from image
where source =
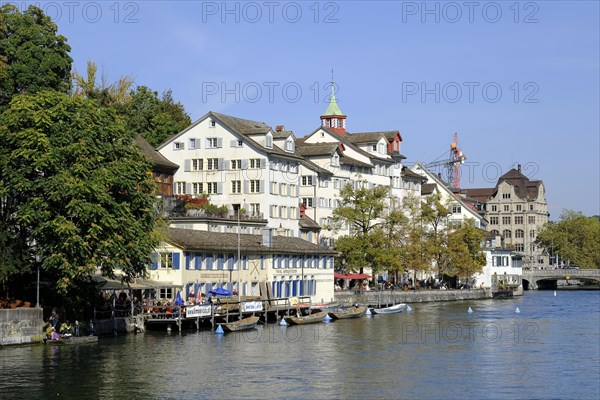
[(251, 306), (198, 311)]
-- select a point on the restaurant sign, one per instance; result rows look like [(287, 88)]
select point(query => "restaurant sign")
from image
[(250, 306), (198, 311)]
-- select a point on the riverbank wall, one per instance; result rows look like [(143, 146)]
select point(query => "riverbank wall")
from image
[(388, 297), (20, 326)]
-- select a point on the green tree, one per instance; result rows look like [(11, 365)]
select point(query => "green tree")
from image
[(107, 94), (154, 118), (435, 217), (465, 256), (76, 188), (362, 210), (33, 57), (575, 238)]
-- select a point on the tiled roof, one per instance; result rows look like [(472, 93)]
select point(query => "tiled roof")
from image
[(365, 137), (159, 161), (408, 173), (316, 149), (307, 222), (243, 126), (480, 194), (189, 239), (319, 170), (345, 139), (428, 188), (282, 134), (351, 161)]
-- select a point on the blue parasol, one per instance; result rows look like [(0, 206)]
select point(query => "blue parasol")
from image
[(179, 300), (220, 292)]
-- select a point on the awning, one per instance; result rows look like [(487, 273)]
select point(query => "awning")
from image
[(351, 276), (105, 283)]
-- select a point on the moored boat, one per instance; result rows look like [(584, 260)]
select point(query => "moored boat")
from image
[(354, 312), (72, 340), (396, 308), (313, 318), (241, 325)]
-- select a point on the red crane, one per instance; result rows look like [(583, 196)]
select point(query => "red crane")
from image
[(451, 164)]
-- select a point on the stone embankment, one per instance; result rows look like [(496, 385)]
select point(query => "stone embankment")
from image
[(20, 326), (387, 297)]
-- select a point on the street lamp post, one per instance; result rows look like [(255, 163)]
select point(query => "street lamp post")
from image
[(38, 259)]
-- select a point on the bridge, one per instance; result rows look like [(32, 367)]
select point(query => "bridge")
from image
[(533, 278)]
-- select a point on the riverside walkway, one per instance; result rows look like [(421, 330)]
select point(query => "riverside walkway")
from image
[(389, 297)]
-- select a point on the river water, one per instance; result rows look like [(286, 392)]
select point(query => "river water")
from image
[(550, 350)]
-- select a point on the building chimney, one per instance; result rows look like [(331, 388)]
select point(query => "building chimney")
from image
[(280, 128), (519, 167), (267, 237)]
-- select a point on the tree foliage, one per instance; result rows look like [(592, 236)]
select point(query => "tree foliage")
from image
[(361, 209), (465, 257), (33, 57), (575, 238), (75, 188)]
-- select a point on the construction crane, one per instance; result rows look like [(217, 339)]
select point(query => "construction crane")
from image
[(451, 164)]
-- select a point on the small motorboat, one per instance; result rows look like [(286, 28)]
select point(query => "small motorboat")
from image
[(354, 312), (396, 308)]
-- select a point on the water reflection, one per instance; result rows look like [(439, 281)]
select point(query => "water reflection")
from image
[(550, 350)]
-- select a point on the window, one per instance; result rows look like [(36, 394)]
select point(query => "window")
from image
[(335, 160), (197, 164), (269, 141), (506, 207), (520, 247), (531, 207), (382, 148), (255, 209), (507, 234), (494, 208), (495, 232), (180, 187), (336, 183), (212, 143), (531, 219), (166, 293), (506, 195), (197, 188), (519, 233), (193, 143), (289, 145), (212, 164), (519, 207), (166, 260), (493, 220), (456, 209), (519, 220), (283, 212), (236, 186), (307, 201), (532, 234), (212, 123), (211, 187), (178, 146), (254, 163), (307, 180), (236, 164), (374, 147), (506, 220), (254, 186)]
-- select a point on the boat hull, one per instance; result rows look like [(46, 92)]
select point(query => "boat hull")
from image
[(241, 325), (313, 318), (388, 310), (356, 312)]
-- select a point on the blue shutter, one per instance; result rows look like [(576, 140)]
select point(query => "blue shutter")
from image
[(154, 258), (220, 261), (176, 260), (301, 288), (197, 260), (187, 259), (230, 261), (209, 262)]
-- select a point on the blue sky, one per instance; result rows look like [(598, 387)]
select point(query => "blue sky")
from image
[(518, 81)]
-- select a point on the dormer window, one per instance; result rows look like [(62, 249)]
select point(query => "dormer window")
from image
[(374, 147), (212, 123), (381, 148), (289, 145), (269, 141), (335, 160)]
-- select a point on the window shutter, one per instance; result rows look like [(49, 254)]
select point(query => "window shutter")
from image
[(197, 261), (226, 165), (219, 142), (289, 190), (245, 186), (263, 163), (244, 164), (187, 260), (176, 260), (298, 213), (297, 190), (187, 165), (220, 164), (289, 212), (314, 180), (219, 188), (261, 188), (233, 143), (271, 211), (175, 188), (198, 143), (154, 258), (188, 188)]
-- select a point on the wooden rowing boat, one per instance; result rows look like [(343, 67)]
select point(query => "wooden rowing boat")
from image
[(354, 312), (313, 318), (241, 325), (72, 340), (388, 310)]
